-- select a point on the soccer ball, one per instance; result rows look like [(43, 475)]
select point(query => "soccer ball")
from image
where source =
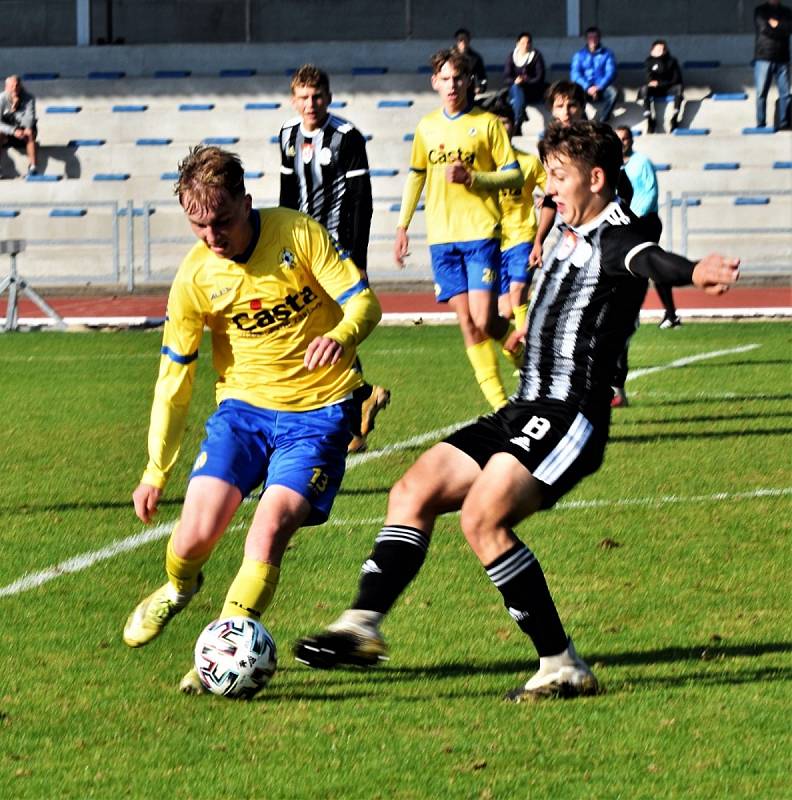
[(235, 657)]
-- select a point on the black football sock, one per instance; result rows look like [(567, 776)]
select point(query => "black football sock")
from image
[(399, 551), (520, 580)]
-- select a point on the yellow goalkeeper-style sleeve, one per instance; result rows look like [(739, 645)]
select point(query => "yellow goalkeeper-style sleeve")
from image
[(362, 312), (413, 187)]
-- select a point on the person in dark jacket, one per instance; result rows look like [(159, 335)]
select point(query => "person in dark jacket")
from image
[(524, 76), (479, 72), (663, 78), (773, 24)]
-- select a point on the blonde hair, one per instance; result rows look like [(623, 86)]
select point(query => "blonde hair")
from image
[(207, 171)]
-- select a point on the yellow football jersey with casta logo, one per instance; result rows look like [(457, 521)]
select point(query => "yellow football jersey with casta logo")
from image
[(262, 315), (519, 223), (477, 138)]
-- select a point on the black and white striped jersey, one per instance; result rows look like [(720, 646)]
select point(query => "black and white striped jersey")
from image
[(325, 174), (585, 303)]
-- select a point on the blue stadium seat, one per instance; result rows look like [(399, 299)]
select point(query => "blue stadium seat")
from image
[(397, 207), (338, 104), (782, 165), (424, 69), (111, 176), (751, 201), (86, 142), (691, 132), (383, 173), (8, 213), (148, 141), (129, 108), (662, 166), (394, 103), (369, 70), (43, 178), (560, 66), (172, 73), (274, 139), (631, 65), (409, 137), (237, 73), (766, 131), (722, 165), (254, 174), (220, 140), (704, 64), (136, 212), (169, 176), (689, 201), (110, 75), (196, 106), (727, 96), (270, 106), (64, 109), (40, 76), (68, 212)]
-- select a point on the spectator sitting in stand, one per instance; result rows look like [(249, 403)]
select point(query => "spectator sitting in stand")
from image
[(524, 75), (18, 120), (663, 77), (594, 68), (479, 83)]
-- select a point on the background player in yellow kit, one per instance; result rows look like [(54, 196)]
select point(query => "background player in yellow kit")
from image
[(518, 227), (286, 313), (463, 157)]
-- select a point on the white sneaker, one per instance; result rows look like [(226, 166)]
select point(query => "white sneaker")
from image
[(565, 675)]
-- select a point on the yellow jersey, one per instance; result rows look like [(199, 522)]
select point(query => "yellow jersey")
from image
[(519, 223), (262, 315), (454, 212)]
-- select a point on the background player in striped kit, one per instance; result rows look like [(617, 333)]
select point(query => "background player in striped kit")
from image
[(521, 459), (325, 174)]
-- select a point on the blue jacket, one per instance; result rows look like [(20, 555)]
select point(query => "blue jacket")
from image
[(593, 69)]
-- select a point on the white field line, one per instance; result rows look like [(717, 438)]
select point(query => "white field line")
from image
[(85, 560), (645, 502)]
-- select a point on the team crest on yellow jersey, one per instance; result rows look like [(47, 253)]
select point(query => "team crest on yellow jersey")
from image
[(287, 259)]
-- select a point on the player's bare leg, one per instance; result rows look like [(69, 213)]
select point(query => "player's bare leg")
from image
[(479, 346), (209, 505), (505, 494), (279, 514), (434, 485)]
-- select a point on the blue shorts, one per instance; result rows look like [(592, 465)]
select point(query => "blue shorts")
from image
[(461, 267), (514, 266), (302, 450)]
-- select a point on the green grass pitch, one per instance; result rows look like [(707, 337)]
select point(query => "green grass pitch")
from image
[(671, 568)]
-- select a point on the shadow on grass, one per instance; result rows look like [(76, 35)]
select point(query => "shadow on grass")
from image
[(684, 436), (752, 416), (339, 685), (737, 398), (83, 506)]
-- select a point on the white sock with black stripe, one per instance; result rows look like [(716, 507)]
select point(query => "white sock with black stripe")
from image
[(519, 578), (399, 551)]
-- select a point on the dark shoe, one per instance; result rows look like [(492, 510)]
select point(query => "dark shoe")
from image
[(651, 125), (340, 648), (674, 124), (670, 322)]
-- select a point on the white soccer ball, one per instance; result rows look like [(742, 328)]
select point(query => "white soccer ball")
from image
[(235, 657)]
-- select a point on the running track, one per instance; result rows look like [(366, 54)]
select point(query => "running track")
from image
[(149, 309)]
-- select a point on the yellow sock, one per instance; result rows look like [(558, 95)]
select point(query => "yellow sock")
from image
[(516, 358), (520, 313), (252, 590), (484, 359), (182, 572)]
